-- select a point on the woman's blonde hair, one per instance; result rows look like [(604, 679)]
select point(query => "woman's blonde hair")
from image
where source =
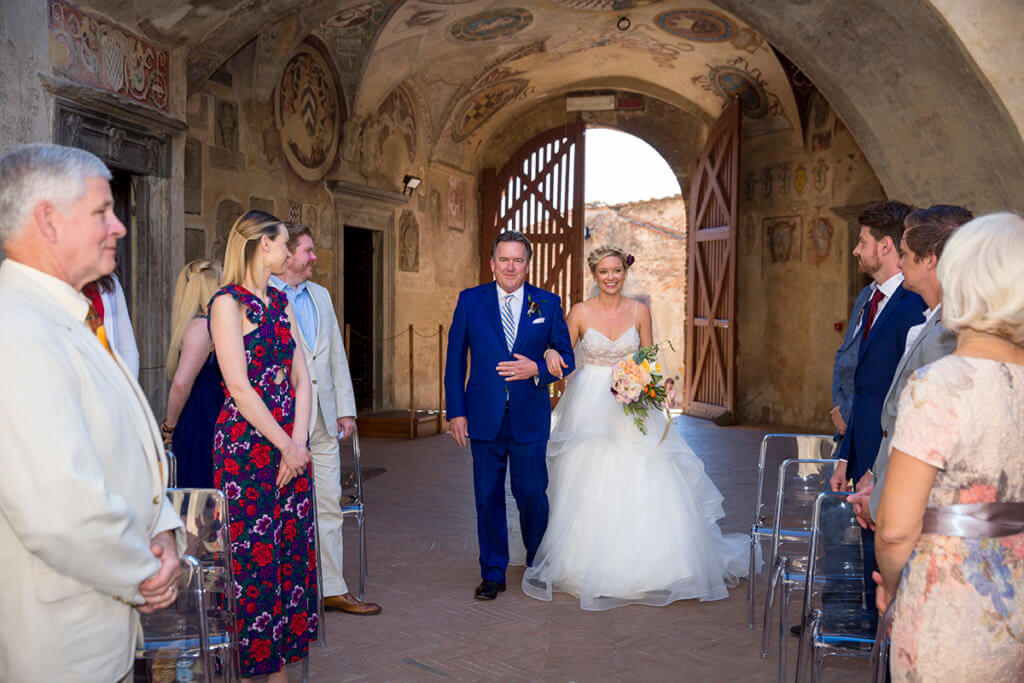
[(196, 285), (242, 242), (981, 270), (608, 250)]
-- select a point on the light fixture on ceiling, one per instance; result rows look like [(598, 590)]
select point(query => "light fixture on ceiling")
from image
[(410, 183), (623, 24)]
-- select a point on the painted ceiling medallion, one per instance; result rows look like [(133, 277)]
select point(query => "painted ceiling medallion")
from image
[(491, 24), (700, 25), (307, 113), (480, 107), (603, 5)]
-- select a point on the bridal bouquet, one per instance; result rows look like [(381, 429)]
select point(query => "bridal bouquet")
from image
[(636, 384)]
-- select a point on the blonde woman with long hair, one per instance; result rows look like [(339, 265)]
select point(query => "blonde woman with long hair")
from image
[(196, 395), (260, 456), (669, 546)]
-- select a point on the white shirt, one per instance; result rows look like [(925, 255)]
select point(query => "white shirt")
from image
[(914, 332), (517, 302), (120, 334), (888, 288)]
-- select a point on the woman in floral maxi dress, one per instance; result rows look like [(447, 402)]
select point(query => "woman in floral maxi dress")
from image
[(260, 455)]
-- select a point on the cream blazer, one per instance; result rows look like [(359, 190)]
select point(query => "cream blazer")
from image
[(82, 490), (328, 366)]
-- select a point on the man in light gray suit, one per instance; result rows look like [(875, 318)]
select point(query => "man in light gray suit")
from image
[(927, 231), (334, 409), (844, 367)]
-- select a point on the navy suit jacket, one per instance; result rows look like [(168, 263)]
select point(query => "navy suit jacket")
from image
[(879, 355), (845, 364), (476, 331)]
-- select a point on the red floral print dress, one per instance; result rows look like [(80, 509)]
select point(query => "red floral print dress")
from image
[(272, 545)]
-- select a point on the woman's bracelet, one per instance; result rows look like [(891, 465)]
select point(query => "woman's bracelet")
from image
[(165, 429)]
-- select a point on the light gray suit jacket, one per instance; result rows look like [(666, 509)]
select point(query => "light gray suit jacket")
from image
[(82, 490), (333, 394), (933, 343)]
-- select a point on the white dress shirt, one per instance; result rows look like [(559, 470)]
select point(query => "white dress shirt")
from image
[(888, 288), (120, 334), (517, 303)]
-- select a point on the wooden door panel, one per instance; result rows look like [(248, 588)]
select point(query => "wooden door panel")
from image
[(710, 372)]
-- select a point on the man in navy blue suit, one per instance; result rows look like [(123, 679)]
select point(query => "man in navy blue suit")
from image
[(883, 324), (505, 327)]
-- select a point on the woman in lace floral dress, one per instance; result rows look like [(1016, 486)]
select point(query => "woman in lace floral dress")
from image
[(260, 457), (959, 438)]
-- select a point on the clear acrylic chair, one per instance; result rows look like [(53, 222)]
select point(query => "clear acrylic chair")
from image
[(812, 446), (799, 483), (834, 616), (204, 513), (179, 642), (354, 506)]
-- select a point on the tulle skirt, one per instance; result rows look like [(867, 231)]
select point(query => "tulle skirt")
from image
[(632, 521)]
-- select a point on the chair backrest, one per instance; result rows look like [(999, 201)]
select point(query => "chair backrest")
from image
[(777, 448), (836, 564), (207, 524)]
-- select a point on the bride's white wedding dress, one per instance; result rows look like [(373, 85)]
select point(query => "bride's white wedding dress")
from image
[(632, 521)]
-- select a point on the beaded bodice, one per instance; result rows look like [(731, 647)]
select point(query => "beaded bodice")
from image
[(598, 349)]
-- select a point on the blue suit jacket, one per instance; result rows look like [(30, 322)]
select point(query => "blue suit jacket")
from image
[(879, 355), (476, 331)]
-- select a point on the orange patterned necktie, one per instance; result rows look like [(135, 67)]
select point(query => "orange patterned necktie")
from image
[(95, 323)]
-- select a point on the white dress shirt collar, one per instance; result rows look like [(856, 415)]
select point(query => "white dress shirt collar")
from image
[(890, 285), (64, 294), (517, 296)]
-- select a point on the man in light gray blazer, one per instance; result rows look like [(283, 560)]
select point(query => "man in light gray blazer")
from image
[(88, 538), (334, 409), (844, 367), (927, 231)]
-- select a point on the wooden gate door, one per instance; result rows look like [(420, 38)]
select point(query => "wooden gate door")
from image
[(539, 192), (710, 386)]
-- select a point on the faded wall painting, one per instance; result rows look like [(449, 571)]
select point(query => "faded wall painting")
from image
[(783, 238), (479, 108), (456, 203), (104, 56), (308, 114), (491, 25), (700, 25), (408, 242)]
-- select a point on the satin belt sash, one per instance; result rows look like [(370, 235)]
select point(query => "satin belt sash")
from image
[(969, 520)]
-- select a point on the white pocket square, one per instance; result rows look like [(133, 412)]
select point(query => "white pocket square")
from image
[(538, 321)]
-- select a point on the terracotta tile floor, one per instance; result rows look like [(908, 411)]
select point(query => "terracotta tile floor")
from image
[(423, 568)]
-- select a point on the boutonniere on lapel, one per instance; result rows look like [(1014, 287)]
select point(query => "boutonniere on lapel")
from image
[(532, 307)]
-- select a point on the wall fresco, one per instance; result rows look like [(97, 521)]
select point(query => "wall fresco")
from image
[(700, 25), (491, 25), (307, 114), (93, 52), (479, 108)]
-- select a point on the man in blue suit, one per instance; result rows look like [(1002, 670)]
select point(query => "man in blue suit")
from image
[(505, 410), (884, 321), (845, 366)]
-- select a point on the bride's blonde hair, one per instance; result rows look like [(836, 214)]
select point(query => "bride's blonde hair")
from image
[(608, 250)]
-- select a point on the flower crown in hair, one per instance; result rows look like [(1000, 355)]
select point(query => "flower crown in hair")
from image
[(629, 259)]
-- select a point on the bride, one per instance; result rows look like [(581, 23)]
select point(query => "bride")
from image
[(632, 521)]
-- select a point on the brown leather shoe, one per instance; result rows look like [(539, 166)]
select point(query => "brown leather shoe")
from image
[(351, 604)]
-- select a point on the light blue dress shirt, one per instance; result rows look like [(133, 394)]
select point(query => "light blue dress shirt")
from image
[(302, 303)]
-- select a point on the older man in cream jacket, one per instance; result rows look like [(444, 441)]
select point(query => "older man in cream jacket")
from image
[(87, 535), (334, 409)]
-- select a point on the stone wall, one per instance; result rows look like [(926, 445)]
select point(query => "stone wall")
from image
[(796, 278)]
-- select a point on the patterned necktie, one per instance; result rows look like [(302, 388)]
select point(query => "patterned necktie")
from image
[(508, 322), (95, 323), (872, 311)]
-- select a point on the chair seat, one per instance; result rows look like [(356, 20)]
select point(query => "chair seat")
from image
[(186, 645)]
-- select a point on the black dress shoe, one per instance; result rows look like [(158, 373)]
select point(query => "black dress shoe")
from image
[(796, 631), (488, 590)]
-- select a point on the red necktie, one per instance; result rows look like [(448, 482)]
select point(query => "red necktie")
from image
[(872, 310)]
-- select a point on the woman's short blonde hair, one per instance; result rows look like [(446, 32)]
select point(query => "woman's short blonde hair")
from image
[(607, 250), (242, 241), (982, 276)]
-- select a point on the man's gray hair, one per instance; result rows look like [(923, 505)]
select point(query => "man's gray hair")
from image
[(512, 236), (42, 172)]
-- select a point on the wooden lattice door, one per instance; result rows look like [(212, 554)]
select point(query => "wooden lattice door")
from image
[(539, 192), (710, 373)]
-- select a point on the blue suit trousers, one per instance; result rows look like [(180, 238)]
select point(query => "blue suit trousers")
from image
[(529, 472)]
